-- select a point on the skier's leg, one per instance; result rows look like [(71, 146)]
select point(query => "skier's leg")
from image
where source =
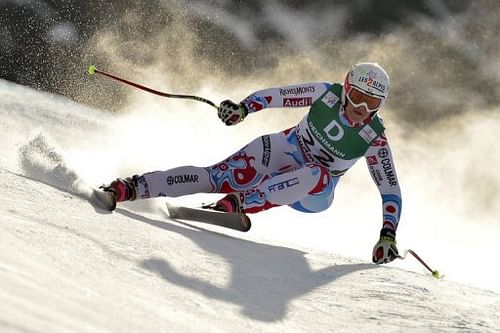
[(234, 173), (243, 170), (174, 182), (309, 188), (263, 157), (237, 172)]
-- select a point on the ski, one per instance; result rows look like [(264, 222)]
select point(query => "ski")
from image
[(102, 199), (236, 221)]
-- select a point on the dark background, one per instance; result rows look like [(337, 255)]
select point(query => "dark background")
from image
[(48, 45)]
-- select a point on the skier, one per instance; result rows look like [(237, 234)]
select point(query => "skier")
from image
[(300, 166)]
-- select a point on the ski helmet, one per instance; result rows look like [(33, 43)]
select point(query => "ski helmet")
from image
[(369, 79)]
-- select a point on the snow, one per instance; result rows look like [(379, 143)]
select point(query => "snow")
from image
[(65, 267)]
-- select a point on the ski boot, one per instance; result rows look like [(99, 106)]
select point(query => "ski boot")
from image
[(231, 203), (122, 189)]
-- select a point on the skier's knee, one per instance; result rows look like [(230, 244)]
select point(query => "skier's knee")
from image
[(323, 178), (320, 197)]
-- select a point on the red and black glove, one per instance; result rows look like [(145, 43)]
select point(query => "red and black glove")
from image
[(385, 250), (231, 113)]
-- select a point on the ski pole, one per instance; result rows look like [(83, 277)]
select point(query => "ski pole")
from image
[(93, 70), (434, 273)]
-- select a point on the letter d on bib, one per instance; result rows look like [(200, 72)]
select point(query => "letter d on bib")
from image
[(334, 131)]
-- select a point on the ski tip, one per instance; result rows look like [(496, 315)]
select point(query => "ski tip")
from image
[(91, 69), (246, 224), (103, 200)]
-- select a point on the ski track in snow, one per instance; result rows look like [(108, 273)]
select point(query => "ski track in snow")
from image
[(67, 267)]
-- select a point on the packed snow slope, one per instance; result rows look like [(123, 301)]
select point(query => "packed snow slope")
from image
[(67, 267)]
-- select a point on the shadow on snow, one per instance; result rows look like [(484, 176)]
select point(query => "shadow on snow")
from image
[(265, 278)]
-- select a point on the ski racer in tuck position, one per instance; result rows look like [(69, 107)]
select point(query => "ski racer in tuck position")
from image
[(300, 166)]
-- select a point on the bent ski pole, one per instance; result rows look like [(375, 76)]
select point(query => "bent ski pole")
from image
[(434, 273), (93, 70)]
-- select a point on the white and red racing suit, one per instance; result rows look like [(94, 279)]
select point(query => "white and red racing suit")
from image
[(298, 167)]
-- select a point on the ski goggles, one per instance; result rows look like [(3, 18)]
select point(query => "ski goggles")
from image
[(359, 98)]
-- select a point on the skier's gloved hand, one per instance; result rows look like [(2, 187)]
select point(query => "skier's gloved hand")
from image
[(231, 113), (385, 250)]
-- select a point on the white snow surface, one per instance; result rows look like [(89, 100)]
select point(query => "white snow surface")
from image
[(65, 267)]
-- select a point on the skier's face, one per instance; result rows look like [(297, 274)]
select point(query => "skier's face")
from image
[(357, 114)]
